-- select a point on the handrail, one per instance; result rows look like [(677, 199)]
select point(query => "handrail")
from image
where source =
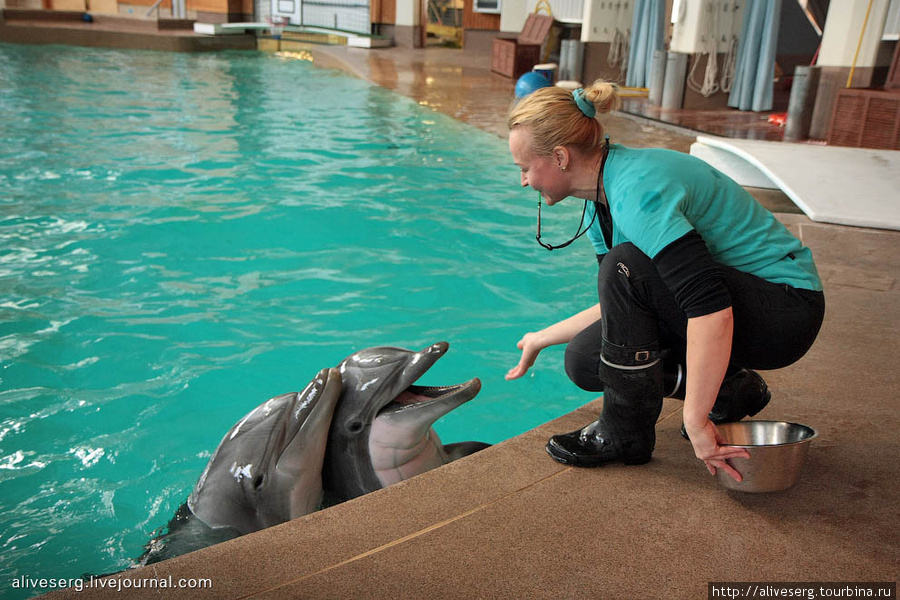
[(154, 7), (178, 9)]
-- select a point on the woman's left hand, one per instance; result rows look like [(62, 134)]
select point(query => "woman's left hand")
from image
[(708, 448)]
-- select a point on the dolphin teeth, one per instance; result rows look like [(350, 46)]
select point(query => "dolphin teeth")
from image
[(425, 389)]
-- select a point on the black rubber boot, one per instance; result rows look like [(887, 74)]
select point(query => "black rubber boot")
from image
[(743, 394), (626, 429)]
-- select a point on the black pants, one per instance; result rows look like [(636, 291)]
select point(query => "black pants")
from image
[(774, 324)]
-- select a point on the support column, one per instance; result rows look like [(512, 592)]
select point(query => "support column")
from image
[(840, 40), (408, 32)]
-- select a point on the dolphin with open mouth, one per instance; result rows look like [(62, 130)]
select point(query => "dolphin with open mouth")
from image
[(381, 431)]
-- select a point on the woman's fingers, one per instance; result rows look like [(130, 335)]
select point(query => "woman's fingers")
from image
[(520, 369), (529, 354), (707, 448), (727, 452), (713, 465), (515, 372)]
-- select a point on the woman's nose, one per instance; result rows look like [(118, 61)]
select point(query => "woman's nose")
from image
[(524, 180)]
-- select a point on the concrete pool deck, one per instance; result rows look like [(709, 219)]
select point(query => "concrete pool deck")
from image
[(510, 522)]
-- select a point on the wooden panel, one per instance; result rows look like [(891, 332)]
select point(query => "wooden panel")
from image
[(879, 129), (28, 4), (165, 4), (866, 119), (78, 5), (212, 6), (512, 59), (104, 7), (474, 20), (893, 79), (845, 122), (383, 11), (535, 29)]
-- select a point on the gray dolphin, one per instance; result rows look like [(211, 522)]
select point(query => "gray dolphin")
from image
[(381, 431), (266, 470)]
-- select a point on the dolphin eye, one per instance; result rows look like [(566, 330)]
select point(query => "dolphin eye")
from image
[(258, 481), (355, 427)]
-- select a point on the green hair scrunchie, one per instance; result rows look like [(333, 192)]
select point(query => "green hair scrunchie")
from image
[(586, 106)]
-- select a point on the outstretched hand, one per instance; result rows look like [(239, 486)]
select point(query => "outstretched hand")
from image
[(530, 347), (708, 448)]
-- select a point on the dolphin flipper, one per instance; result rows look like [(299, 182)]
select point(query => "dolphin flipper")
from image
[(457, 451)]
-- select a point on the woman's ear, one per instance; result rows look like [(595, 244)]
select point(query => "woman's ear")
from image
[(561, 156)]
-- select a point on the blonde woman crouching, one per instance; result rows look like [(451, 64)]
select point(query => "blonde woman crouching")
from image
[(698, 284)]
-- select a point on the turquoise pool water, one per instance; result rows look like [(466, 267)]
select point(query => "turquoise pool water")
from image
[(185, 236)]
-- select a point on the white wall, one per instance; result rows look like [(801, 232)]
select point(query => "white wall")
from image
[(842, 32), (892, 24), (568, 11), (512, 15), (603, 17), (408, 12), (700, 18)]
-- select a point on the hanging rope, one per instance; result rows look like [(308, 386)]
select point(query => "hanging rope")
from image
[(728, 66), (617, 49), (709, 47), (626, 54)]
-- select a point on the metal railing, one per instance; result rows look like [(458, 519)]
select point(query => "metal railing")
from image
[(179, 9)]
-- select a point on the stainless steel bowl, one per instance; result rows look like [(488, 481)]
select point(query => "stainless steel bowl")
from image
[(777, 451)]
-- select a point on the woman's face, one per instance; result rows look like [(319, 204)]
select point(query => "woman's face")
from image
[(542, 173)]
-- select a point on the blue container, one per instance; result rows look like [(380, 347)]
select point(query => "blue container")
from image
[(548, 70), (530, 82)]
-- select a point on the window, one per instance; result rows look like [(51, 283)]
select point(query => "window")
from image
[(487, 6)]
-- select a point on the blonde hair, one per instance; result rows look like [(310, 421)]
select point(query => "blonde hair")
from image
[(554, 118)]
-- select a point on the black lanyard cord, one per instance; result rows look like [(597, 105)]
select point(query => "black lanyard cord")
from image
[(578, 232)]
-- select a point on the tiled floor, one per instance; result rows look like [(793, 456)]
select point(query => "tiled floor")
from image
[(724, 122)]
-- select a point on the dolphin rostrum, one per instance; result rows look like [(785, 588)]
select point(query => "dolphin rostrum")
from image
[(266, 470), (381, 431)]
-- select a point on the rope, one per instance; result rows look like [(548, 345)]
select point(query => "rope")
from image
[(729, 63), (709, 86)]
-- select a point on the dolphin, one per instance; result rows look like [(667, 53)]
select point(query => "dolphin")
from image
[(381, 431), (266, 470)]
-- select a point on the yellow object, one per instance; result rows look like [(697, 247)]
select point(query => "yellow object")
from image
[(633, 92), (859, 45), (552, 38), (543, 4), (446, 32)]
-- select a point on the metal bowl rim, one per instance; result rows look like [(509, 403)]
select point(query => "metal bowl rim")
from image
[(803, 441)]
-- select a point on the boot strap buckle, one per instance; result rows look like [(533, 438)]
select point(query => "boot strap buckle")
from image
[(642, 356)]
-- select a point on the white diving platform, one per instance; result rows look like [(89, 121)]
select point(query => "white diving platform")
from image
[(831, 184)]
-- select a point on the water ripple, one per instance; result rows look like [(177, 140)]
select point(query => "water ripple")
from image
[(182, 237)]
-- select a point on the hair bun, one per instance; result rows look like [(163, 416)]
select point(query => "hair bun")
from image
[(604, 94)]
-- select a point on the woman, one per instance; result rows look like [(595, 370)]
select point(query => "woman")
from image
[(698, 284)]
